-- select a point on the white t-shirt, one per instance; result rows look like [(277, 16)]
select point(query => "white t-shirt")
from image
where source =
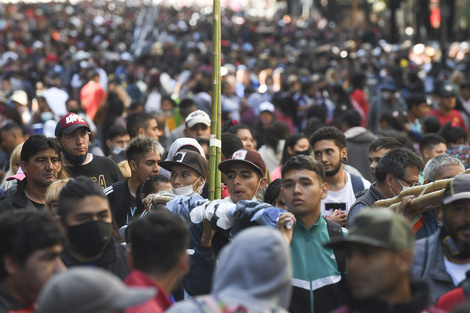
[(341, 200), (456, 271)]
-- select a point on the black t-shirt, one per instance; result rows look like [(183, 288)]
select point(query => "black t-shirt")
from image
[(100, 169), (123, 204), (39, 206)]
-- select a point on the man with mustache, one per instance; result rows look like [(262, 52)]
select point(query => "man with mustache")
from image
[(329, 148), (379, 247), (444, 258), (41, 162)]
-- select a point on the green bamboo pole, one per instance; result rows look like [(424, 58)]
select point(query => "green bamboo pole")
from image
[(216, 111)]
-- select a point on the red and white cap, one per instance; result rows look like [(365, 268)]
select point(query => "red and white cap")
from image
[(68, 123)]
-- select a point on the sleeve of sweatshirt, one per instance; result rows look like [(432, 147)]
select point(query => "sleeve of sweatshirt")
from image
[(202, 263)]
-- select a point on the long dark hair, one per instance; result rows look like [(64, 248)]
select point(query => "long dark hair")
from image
[(276, 132), (291, 141)]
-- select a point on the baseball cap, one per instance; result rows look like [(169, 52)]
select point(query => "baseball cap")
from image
[(197, 117), (20, 96), (20, 175), (68, 123), (243, 156), (382, 228), (189, 159), (86, 289), (266, 106), (457, 189), (447, 91)]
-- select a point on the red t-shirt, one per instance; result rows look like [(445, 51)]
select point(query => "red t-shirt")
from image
[(360, 104), (454, 117), (93, 96)]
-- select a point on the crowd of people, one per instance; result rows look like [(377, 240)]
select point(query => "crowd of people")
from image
[(105, 136)]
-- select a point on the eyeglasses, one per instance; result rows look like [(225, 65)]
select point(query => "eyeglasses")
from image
[(410, 184), (75, 135)]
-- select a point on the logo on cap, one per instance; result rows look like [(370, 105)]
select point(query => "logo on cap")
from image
[(179, 157), (72, 118), (240, 154)]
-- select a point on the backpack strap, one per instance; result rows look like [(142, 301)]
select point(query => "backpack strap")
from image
[(357, 184), (336, 232)]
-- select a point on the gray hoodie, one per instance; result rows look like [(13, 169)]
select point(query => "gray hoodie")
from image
[(254, 272)]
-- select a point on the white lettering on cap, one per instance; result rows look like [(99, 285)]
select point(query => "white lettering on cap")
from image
[(179, 157), (73, 118), (240, 155)]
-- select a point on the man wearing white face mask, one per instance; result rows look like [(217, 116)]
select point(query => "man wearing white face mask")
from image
[(189, 172), (396, 171), (143, 155), (385, 102)]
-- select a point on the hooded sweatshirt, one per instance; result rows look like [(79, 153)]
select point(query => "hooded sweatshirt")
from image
[(358, 140), (254, 272)]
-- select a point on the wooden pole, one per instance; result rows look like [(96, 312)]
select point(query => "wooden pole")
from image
[(216, 111)]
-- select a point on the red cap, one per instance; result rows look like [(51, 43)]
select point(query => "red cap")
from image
[(68, 123), (248, 157)]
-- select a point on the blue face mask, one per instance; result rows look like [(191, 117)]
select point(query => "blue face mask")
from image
[(74, 159), (46, 116), (117, 150)]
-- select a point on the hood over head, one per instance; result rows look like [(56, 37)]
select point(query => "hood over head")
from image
[(255, 270)]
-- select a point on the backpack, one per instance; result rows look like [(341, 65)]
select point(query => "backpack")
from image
[(213, 304), (336, 232), (357, 185)]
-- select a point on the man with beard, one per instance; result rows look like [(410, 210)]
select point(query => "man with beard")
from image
[(379, 247), (73, 135), (443, 258), (329, 147), (88, 222)]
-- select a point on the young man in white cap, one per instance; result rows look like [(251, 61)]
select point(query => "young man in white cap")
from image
[(73, 135), (198, 124)]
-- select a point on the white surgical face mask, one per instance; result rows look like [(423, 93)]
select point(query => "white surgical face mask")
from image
[(403, 187), (255, 198), (187, 190)]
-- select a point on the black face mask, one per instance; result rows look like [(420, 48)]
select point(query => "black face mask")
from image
[(74, 159), (305, 152), (91, 238)]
